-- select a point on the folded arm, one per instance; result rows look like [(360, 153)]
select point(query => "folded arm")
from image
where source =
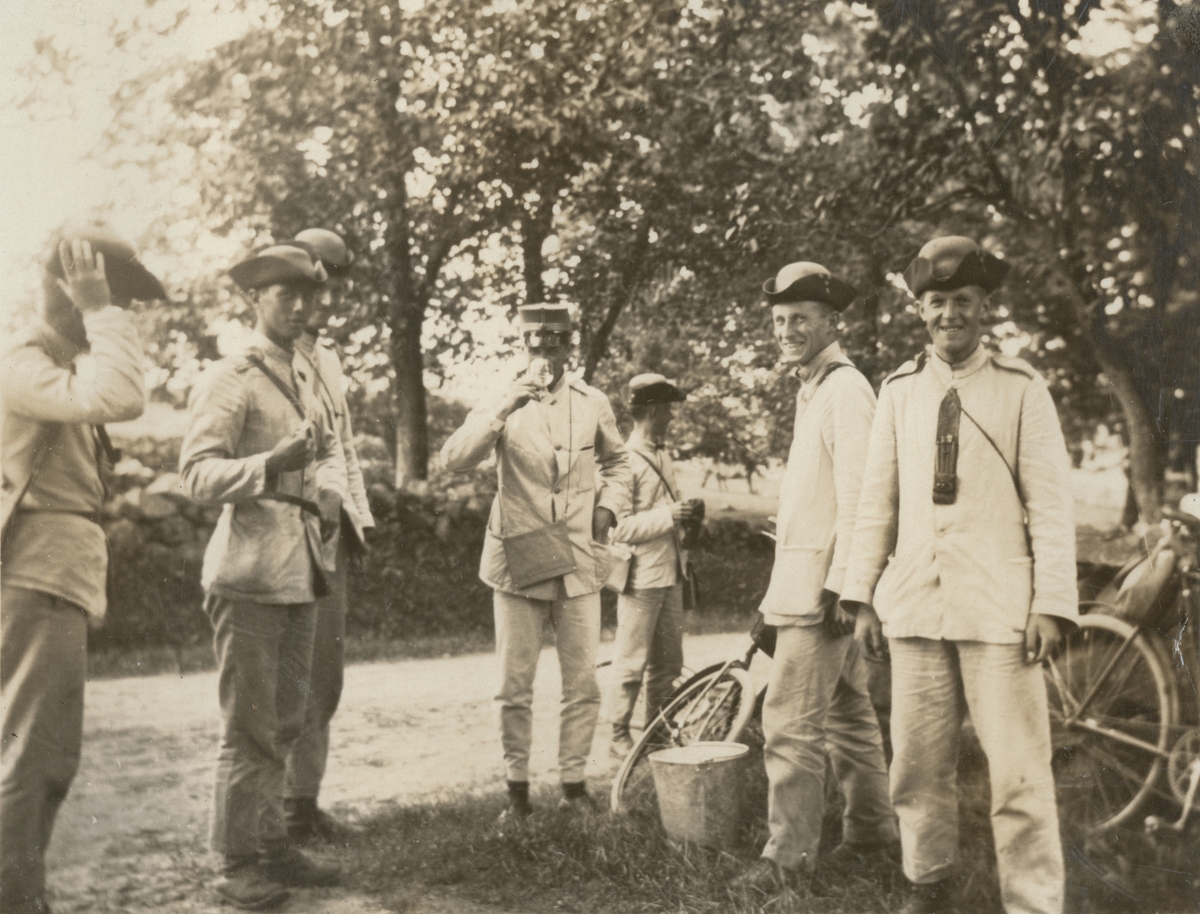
[(211, 473)]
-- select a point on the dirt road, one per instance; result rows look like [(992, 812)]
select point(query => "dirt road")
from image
[(132, 835)]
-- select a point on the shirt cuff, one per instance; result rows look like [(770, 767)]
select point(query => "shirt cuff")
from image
[(836, 579), (264, 482)]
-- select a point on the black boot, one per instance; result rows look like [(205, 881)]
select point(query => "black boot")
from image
[(932, 898), (300, 815), (519, 807)]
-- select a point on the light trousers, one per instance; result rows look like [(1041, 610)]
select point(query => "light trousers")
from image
[(649, 644), (933, 684), (519, 623), (307, 760), (818, 702), (43, 666), (263, 653)]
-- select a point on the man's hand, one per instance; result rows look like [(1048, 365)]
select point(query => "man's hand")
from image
[(519, 393), (603, 520), (86, 283), (294, 453), (683, 511), (868, 630), (330, 504), (836, 620), (1042, 636)]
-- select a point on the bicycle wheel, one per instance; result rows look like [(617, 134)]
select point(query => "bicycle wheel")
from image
[(1112, 706), (713, 705)]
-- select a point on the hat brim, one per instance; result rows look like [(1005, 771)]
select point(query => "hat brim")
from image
[(331, 268), (977, 268), (267, 270), (127, 277), (828, 290), (662, 392)]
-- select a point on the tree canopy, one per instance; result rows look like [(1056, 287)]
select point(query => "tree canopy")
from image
[(655, 163)]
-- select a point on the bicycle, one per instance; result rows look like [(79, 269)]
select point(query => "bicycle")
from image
[(1117, 717), (714, 705)]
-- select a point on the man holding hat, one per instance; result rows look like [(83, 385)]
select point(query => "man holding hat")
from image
[(964, 557), (543, 552), (317, 359), (649, 639), (257, 444), (817, 698), (77, 367)]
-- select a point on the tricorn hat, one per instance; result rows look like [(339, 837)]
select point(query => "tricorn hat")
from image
[(127, 278), (653, 388), (951, 262), (278, 264), (805, 281), (327, 247)]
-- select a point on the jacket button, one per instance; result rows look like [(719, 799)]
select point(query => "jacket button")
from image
[(558, 491), (558, 447)]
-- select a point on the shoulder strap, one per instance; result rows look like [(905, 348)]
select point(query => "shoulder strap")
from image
[(833, 366), (1013, 472), (655, 468), (257, 361)]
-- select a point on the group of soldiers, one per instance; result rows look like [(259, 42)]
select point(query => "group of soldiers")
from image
[(934, 523)]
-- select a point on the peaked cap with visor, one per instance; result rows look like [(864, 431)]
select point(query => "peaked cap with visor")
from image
[(545, 324)]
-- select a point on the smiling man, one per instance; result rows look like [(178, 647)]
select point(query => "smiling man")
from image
[(964, 557), (258, 445), (817, 696)]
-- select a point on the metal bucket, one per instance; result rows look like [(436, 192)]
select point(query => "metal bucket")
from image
[(699, 791)]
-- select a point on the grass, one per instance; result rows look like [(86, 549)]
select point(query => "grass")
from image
[(626, 865)]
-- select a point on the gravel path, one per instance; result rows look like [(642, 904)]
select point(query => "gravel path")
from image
[(132, 835)]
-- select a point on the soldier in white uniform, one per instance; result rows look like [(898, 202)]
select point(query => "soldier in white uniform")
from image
[(964, 558), (649, 641), (257, 445), (817, 697), (541, 552), (318, 365), (78, 366)]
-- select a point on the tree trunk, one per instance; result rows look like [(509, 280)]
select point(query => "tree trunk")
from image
[(412, 431), (597, 346), (406, 310), (1147, 453), (1147, 450)]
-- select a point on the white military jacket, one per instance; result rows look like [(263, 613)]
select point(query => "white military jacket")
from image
[(262, 549), (818, 497), (547, 454), (965, 571), (650, 528)]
